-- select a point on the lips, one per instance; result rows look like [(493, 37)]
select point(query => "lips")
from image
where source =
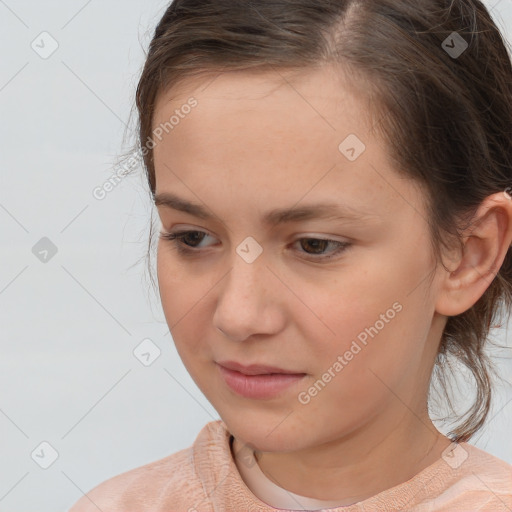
[(256, 369), (256, 381)]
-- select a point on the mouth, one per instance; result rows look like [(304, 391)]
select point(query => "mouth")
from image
[(257, 369), (258, 382)]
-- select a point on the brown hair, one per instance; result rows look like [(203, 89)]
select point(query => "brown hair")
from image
[(447, 119)]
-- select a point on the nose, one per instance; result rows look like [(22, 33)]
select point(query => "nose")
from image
[(248, 300)]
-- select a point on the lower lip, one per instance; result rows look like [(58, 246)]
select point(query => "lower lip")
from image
[(259, 386)]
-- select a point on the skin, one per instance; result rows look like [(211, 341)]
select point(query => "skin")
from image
[(256, 142)]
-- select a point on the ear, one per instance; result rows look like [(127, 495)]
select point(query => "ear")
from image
[(486, 243)]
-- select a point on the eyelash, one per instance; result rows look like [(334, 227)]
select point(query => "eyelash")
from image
[(185, 250)]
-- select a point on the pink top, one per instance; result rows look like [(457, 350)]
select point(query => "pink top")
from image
[(206, 477)]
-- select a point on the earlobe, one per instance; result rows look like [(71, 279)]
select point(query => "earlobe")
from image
[(486, 243)]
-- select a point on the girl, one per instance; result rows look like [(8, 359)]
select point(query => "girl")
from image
[(331, 178)]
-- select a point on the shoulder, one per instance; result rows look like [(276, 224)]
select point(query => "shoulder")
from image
[(479, 480), (161, 484), (489, 468)]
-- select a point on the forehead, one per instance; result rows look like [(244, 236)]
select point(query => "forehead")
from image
[(324, 96), (277, 132)]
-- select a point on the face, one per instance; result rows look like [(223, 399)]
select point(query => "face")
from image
[(342, 299)]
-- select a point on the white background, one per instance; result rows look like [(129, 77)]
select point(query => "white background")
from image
[(69, 326)]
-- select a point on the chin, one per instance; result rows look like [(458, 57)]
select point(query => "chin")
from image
[(265, 432)]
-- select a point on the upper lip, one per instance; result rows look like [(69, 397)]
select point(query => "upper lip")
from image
[(255, 369)]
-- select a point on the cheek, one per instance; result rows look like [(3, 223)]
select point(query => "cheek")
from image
[(180, 295), (186, 297), (367, 320), (170, 284), (345, 309), (180, 290), (354, 372)]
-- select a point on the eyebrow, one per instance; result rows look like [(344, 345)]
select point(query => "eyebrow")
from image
[(327, 211)]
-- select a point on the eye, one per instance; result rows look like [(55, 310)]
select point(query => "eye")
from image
[(318, 245), (185, 243), (178, 238)]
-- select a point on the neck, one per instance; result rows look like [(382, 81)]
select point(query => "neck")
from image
[(378, 456)]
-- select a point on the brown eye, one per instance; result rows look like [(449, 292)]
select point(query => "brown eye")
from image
[(317, 246), (181, 239)]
